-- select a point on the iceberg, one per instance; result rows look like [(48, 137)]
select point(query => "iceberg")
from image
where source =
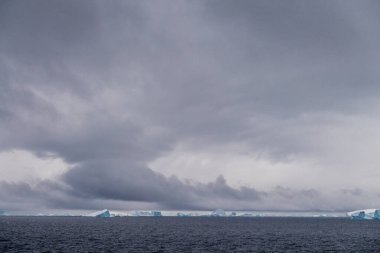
[(156, 213), (246, 215), (183, 215), (148, 213), (218, 213), (376, 215), (100, 214), (366, 214)]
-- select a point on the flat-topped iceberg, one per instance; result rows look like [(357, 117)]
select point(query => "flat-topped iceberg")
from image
[(365, 214), (183, 214), (147, 213)]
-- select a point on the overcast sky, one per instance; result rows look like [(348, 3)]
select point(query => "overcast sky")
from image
[(241, 105)]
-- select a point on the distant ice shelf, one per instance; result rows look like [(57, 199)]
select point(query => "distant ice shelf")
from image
[(108, 214), (360, 214), (147, 213)]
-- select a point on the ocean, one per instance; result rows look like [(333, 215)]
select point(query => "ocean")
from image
[(188, 234)]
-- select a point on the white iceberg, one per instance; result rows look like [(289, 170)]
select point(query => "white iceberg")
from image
[(183, 214), (218, 213), (147, 213)]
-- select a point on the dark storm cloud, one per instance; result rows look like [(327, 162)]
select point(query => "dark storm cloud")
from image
[(111, 86), (171, 194), (142, 184), (166, 193)]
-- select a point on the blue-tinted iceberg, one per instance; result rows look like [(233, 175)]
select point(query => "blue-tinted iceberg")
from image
[(156, 213), (366, 214), (101, 214)]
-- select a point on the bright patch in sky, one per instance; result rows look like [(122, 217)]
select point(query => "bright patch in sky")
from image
[(21, 165)]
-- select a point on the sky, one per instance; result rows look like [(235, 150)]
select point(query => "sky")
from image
[(189, 105)]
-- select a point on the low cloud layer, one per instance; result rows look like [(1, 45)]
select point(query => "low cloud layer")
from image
[(191, 104)]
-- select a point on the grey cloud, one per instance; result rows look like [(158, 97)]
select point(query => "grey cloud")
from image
[(355, 192), (104, 180), (171, 194), (301, 61), (110, 87)]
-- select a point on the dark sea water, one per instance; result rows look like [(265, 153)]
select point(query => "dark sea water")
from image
[(187, 234)]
